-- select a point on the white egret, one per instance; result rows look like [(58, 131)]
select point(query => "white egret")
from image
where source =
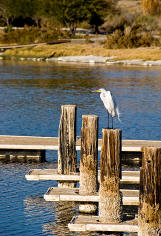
[(109, 103)]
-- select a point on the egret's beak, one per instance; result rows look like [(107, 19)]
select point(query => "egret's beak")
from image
[(96, 91)]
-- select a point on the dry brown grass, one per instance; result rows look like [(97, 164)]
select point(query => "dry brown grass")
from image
[(128, 6), (68, 49)]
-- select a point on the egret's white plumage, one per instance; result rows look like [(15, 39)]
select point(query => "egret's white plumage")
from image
[(109, 103)]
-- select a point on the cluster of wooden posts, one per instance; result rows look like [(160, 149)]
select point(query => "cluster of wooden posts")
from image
[(105, 184)]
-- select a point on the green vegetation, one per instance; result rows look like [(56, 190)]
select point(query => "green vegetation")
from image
[(43, 20), (56, 12), (32, 35)]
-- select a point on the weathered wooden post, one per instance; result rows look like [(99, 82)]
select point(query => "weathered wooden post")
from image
[(67, 156), (89, 161), (149, 215), (110, 198)]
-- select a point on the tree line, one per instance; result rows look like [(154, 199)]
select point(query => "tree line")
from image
[(68, 13)]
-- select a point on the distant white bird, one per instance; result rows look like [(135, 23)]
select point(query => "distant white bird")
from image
[(109, 103)]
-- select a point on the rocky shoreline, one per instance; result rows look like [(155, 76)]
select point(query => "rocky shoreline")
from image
[(94, 59), (107, 60)]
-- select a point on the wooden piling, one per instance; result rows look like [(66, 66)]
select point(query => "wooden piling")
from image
[(149, 214), (110, 198), (67, 156), (89, 161)]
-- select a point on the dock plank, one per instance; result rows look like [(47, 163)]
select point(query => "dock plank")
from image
[(92, 223), (28, 142), (132, 177), (130, 197), (51, 143), (50, 174)]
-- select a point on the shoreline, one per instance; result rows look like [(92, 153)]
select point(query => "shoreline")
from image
[(86, 53), (105, 60), (90, 59)]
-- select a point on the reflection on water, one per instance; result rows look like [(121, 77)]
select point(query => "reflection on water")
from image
[(30, 98), (62, 213)]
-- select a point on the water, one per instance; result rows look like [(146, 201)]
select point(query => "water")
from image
[(31, 95)]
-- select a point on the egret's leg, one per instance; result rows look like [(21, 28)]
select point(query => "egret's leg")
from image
[(108, 119), (112, 122)]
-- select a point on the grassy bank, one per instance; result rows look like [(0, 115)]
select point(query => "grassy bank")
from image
[(68, 49)]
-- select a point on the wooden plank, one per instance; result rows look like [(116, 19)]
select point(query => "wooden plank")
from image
[(132, 177), (130, 197), (52, 174), (51, 143), (28, 142), (91, 223)]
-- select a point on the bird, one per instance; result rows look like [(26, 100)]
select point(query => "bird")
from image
[(109, 103)]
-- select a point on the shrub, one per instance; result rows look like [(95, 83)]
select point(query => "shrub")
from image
[(130, 38), (120, 21), (117, 22), (148, 23), (32, 35)]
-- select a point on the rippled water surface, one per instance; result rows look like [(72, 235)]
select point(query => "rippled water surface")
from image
[(31, 95)]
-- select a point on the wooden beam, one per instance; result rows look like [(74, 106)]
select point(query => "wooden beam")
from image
[(132, 177), (130, 197), (92, 223), (50, 174), (51, 143)]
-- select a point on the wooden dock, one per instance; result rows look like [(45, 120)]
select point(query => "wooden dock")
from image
[(33, 149), (51, 143), (92, 223), (108, 195), (130, 197), (132, 177)]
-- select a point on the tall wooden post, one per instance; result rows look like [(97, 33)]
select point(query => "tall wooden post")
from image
[(110, 198), (67, 156), (89, 160), (149, 216)]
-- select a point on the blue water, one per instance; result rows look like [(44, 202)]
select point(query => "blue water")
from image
[(31, 95)]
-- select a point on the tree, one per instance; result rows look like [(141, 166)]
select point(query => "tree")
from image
[(97, 11), (12, 9), (70, 13), (6, 13)]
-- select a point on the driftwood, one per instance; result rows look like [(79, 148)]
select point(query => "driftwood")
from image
[(3, 48)]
